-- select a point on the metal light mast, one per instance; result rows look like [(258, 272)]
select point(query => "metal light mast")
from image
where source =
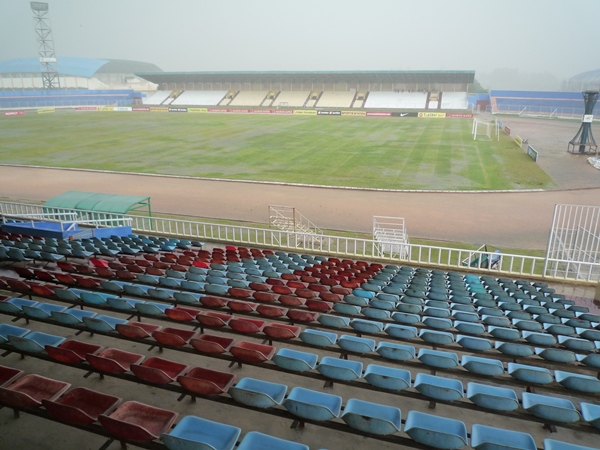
[(43, 30), (584, 141)]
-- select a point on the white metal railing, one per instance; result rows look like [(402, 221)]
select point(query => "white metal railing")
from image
[(449, 258)]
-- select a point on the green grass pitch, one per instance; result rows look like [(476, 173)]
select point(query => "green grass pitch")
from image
[(369, 152)]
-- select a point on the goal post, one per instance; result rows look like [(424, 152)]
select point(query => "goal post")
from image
[(485, 130)]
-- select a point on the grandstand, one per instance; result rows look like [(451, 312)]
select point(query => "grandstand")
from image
[(199, 98), (249, 98), (294, 99), (277, 344), (396, 100), (335, 99), (547, 104)]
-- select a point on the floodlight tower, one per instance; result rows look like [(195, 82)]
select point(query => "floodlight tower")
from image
[(43, 30), (584, 141)]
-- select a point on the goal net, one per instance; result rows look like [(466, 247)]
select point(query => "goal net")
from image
[(485, 131)]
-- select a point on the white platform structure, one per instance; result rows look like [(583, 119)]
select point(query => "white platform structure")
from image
[(391, 237), (574, 242), (336, 99), (249, 98), (454, 100), (157, 98), (291, 98), (396, 100), (200, 98)]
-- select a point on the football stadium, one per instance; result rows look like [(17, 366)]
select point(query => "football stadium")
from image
[(295, 259)]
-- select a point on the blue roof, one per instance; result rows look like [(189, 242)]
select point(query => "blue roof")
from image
[(82, 67)]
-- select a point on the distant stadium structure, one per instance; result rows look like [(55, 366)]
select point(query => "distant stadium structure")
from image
[(585, 81), (77, 73), (444, 90)]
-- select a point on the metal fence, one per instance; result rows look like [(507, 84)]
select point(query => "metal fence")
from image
[(427, 255)]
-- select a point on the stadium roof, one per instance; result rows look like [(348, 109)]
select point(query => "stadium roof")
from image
[(95, 201), (590, 76), (75, 66), (410, 76)]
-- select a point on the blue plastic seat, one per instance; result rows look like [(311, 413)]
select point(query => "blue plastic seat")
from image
[(435, 431), (490, 438), (113, 285), (15, 305), (389, 378), (193, 286), (397, 352), (42, 310), (578, 382), (482, 366), (557, 355), (152, 308), (295, 360), (366, 326), (35, 342), (590, 360), (591, 414), (530, 374), (355, 300), (507, 334), (188, 298), (168, 282), (356, 344), (6, 329), (578, 344), (195, 433), (375, 313), (95, 298), (313, 405), (436, 337), (438, 359), (258, 441), (334, 321), (318, 337), (102, 323), (492, 397), (514, 349), (496, 321), (536, 338), (162, 294), (372, 417), (553, 409), (406, 318), (472, 328), (439, 388), (400, 331), (473, 343), (71, 316), (340, 369), (216, 289), (439, 323), (344, 308), (123, 303), (552, 444), (258, 393)]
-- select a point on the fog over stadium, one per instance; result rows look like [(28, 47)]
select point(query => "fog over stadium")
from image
[(505, 42)]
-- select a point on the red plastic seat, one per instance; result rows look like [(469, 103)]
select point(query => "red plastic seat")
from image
[(143, 263), (330, 297), (182, 314), (81, 406), (211, 344), (174, 337), (134, 268), (289, 276), (309, 279), (18, 285), (65, 278), (305, 293), (276, 282), (155, 271), (213, 319), (87, 282), (350, 284), (318, 305), (283, 290), (201, 381), (126, 260), (317, 287), (97, 262), (261, 287), (282, 331), (339, 290), (210, 301), (8, 375), (105, 272), (43, 290), (83, 269), (116, 265), (271, 310), (157, 370), (65, 266), (125, 275), (136, 330), (251, 352), (161, 265), (242, 306), (137, 422), (72, 351), (113, 360), (150, 257), (29, 391), (265, 297), (291, 300), (239, 292), (297, 284), (201, 264), (42, 275), (246, 325), (298, 315)]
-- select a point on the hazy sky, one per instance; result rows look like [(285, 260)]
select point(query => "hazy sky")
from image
[(556, 36)]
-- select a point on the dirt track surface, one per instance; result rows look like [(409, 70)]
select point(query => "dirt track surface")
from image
[(513, 219)]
